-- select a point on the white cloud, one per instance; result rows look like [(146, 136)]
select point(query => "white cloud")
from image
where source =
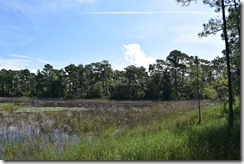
[(38, 60), (119, 67), (145, 13), (18, 62), (135, 56), (14, 64)]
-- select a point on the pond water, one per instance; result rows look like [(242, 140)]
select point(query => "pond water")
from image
[(57, 124), (21, 126), (15, 134)]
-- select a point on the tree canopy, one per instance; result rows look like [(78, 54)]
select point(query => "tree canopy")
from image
[(171, 79)]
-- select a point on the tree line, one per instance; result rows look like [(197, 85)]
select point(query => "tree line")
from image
[(178, 77), (174, 78)]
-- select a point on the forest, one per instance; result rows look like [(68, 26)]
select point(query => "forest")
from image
[(175, 78)]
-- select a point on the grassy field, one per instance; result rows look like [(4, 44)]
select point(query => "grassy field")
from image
[(164, 131)]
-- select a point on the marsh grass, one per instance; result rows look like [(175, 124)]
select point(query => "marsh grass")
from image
[(8, 107), (162, 132)]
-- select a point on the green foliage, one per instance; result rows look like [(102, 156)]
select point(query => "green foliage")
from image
[(172, 79), (221, 87), (209, 92), (96, 91), (147, 135), (9, 107)]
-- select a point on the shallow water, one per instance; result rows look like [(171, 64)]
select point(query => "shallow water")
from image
[(15, 134), (21, 126), (58, 124)]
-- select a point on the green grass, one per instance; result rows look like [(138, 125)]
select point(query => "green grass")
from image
[(8, 107), (146, 136)]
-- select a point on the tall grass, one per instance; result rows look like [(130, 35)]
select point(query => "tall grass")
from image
[(8, 107), (143, 136)]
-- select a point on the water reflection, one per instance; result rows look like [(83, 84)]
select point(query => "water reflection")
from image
[(20, 127)]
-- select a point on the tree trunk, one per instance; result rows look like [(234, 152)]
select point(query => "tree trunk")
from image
[(198, 94), (237, 19), (176, 85), (231, 115)]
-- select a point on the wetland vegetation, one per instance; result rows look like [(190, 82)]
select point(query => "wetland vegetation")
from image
[(114, 130), (47, 115)]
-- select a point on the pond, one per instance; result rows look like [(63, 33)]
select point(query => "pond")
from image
[(70, 122), (24, 126)]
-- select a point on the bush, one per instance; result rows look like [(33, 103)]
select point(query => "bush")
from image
[(96, 91), (209, 93)]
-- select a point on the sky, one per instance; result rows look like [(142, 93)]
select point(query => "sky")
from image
[(124, 32)]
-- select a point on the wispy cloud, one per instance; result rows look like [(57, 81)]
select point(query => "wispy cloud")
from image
[(18, 62), (39, 60), (12, 36), (144, 13), (13, 64), (28, 8)]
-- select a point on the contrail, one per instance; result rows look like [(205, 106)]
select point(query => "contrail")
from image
[(144, 13)]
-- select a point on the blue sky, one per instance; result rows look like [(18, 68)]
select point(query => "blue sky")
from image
[(124, 32)]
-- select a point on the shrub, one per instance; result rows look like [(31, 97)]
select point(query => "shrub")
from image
[(96, 91), (209, 92)]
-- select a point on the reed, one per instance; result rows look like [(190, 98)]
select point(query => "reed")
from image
[(162, 132)]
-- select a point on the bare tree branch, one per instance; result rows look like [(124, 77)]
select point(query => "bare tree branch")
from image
[(186, 2)]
